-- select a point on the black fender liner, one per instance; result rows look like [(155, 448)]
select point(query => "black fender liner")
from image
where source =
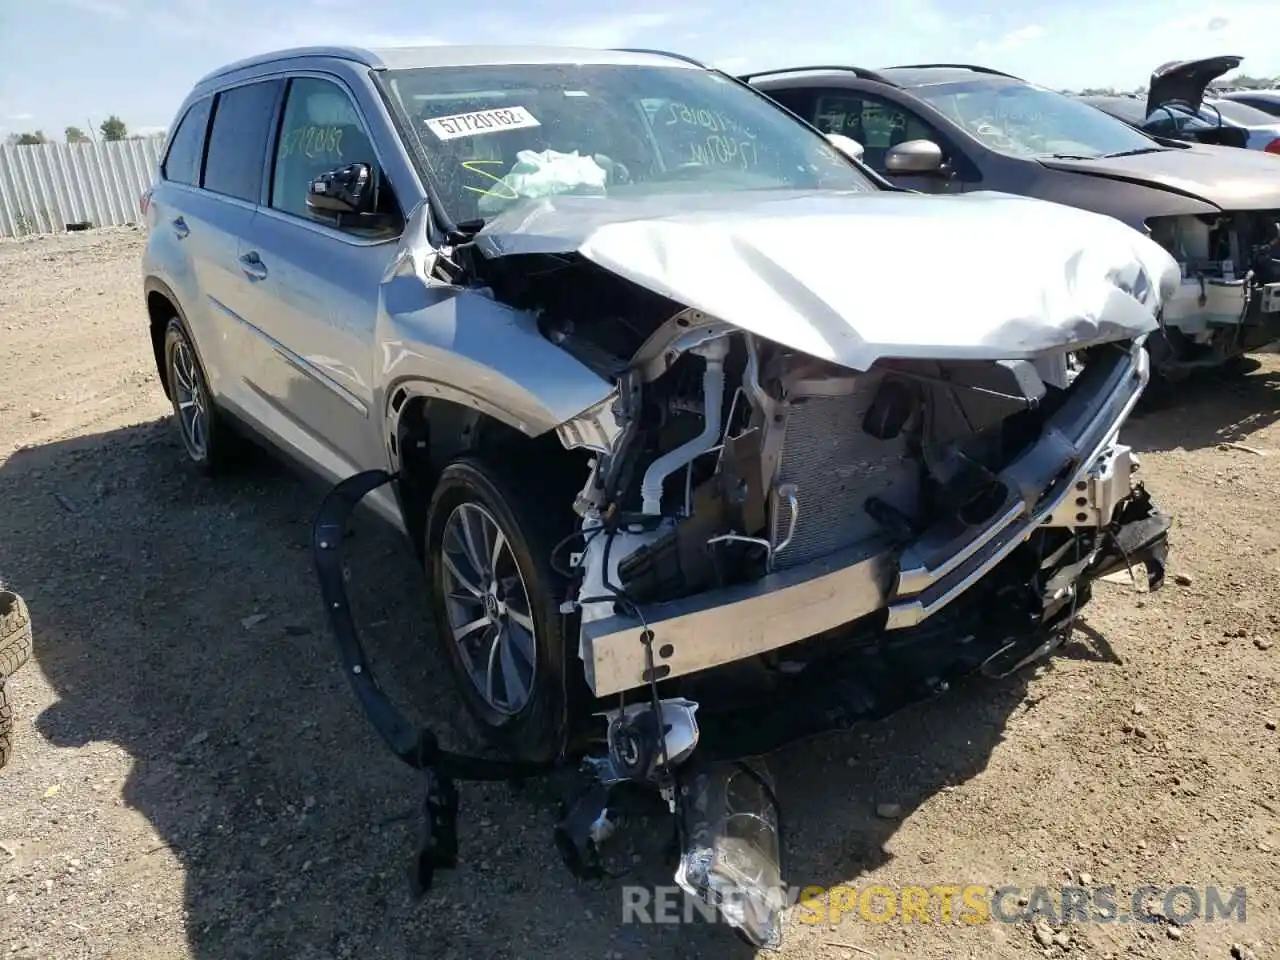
[(417, 747)]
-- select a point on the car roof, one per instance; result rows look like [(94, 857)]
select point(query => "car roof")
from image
[(1107, 98), (907, 76), (403, 58), (928, 74), (1127, 108), (1260, 94)]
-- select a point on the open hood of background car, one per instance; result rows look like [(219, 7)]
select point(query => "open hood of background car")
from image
[(1228, 178), (852, 278), (1186, 80)]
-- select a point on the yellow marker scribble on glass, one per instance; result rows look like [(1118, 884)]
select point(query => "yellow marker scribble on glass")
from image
[(500, 190)]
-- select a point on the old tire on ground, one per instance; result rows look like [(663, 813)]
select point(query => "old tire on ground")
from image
[(6, 728), (495, 597), (15, 650), (209, 444)]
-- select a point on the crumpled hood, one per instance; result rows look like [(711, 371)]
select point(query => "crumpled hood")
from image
[(1227, 177), (853, 277)]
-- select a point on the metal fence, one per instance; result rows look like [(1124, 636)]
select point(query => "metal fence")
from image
[(44, 187)]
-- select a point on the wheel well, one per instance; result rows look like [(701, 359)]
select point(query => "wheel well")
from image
[(430, 433), (161, 311)]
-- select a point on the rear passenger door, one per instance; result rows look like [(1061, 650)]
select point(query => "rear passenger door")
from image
[(315, 296), (211, 226), (178, 226)]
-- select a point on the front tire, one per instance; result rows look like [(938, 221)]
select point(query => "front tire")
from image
[(209, 443), (495, 600)]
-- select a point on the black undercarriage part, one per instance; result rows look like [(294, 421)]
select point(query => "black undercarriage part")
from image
[(418, 748)]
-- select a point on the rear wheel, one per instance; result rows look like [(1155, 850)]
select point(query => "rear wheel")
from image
[(495, 599), (208, 442)]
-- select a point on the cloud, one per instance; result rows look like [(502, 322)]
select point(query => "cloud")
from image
[(1217, 23), (20, 117), (309, 26), (611, 31), (1020, 37), (372, 41), (111, 9)]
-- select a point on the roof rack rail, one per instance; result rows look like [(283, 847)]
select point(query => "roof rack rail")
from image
[(954, 66), (862, 73), (662, 53)]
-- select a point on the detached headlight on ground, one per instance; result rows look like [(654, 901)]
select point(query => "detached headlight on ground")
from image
[(729, 819)]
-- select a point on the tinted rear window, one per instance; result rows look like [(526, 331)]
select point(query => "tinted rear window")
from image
[(238, 140), (182, 165)]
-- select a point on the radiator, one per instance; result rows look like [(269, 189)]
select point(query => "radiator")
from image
[(834, 468)]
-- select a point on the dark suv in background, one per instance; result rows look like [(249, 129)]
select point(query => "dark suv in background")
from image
[(953, 128)]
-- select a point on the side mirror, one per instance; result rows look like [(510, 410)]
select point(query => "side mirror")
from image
[(850, 147), (347, 190), (346, 197), (914, 156)]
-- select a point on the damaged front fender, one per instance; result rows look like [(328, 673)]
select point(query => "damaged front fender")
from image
[(444, 340)]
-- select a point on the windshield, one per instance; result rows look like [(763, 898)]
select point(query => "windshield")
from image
[(1022, 120), (1240, 113), (1178, 118), (494, 136)]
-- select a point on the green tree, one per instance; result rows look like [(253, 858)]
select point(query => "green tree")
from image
[(29, 139), (76, 135), (113, 128)]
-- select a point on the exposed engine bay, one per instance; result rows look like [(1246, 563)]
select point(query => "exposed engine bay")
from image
[(727, 468), (1229, 301)]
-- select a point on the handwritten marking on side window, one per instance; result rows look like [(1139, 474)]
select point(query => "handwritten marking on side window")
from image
[(481, 121), (313, 142)]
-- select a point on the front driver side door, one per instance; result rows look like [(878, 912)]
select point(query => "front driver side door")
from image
[(878, 125), (317, 284)]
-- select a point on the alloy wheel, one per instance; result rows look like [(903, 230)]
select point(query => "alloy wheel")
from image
[(190, 400), (489, 610)]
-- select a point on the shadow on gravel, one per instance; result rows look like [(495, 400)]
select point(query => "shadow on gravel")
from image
[(179, 619), (1208, 408)]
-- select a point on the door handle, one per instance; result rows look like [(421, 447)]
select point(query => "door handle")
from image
[(180, 227), (253, 266)]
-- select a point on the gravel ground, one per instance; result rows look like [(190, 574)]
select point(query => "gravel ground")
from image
[(192, 778)]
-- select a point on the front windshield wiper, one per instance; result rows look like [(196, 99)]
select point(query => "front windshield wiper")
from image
[(465, 231), (1134, 153), (1073, 156)]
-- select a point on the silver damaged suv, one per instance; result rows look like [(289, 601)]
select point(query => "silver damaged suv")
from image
[(674, 396)]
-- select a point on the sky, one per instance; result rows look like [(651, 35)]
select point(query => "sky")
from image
[(77, 61)]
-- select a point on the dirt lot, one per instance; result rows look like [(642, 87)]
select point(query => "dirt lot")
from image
[(192, 778)]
